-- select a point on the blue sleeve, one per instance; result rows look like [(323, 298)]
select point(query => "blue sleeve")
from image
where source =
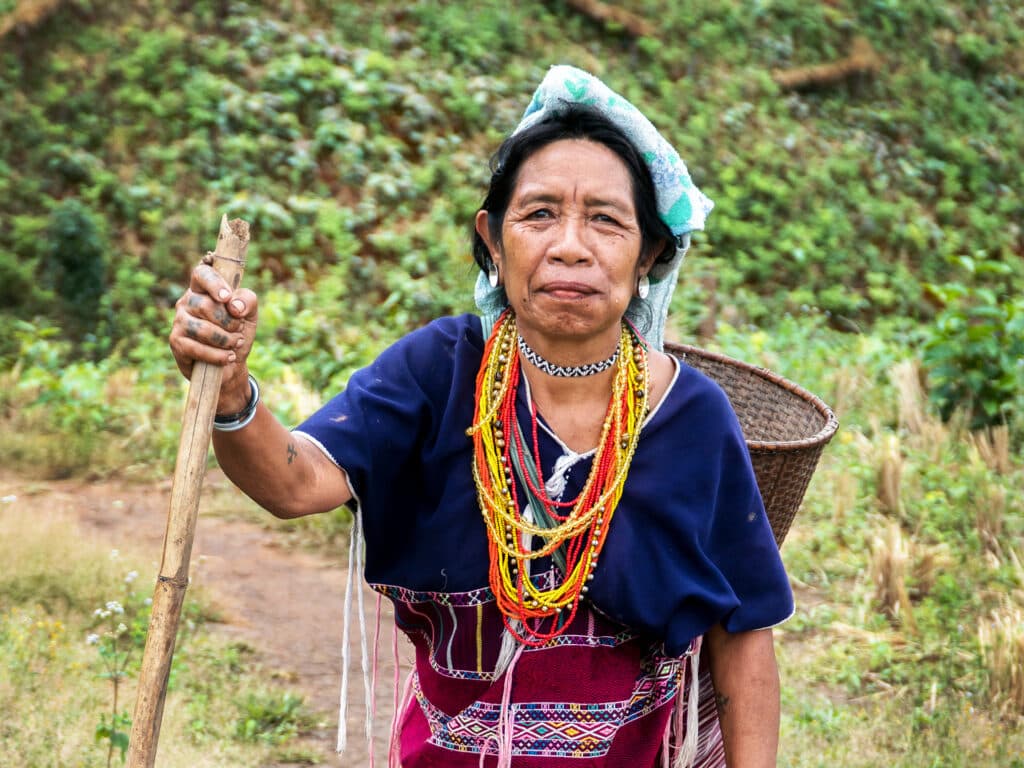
[(740, 542), (380, 427)]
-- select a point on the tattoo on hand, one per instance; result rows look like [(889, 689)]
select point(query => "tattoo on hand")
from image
[(292, 453), (221, 316), (192, 329), (219, 339), (194, 302)]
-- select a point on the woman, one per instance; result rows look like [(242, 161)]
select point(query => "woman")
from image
[(562, 514)]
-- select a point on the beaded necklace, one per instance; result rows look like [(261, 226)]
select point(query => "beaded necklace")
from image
[(573, 532)]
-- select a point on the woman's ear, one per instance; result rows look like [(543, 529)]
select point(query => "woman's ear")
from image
[(650, 256), (483, 229)]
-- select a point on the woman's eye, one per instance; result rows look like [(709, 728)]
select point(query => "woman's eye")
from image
[(540, 213), (604, 218)]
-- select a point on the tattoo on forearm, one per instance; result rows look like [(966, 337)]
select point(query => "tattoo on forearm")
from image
[(721, 702), (292, 453)]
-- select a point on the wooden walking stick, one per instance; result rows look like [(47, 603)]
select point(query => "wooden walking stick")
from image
[(172, 581)]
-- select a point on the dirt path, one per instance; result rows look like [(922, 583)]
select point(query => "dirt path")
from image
[(284, 603)]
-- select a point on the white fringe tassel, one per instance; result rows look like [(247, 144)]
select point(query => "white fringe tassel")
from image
[(343, 697), (505, 727), (364, 657), (686, 754), (508, 649), (396, 717), (353, 580), (395, 749)]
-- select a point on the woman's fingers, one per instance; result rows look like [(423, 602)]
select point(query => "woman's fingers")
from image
[(243, 305), (211, 324), (206, 279), (189, 351), (211, 334), (200, 339), (201, 305)]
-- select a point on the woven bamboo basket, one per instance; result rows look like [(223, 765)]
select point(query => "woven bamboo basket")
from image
[(785, 426)]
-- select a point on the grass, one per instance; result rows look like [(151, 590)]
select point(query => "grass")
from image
[(53, 582)]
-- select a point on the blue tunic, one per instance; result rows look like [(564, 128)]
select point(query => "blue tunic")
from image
[(689, 545)]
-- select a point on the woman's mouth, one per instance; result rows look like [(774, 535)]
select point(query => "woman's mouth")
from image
[(567, 290)]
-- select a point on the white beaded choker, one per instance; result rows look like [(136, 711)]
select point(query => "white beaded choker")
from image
[(567, 371)]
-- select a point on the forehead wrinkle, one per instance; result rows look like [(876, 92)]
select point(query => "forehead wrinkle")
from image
[(594, 201), (600, 200)]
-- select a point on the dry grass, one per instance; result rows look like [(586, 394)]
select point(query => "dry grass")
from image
[(989, 514), (845, 498), (53, 578), (924, 431), (993, 446), (1001, 638), (57, 441), (910, 400), (928, 563), (46, 561), (823, 725), (890, 475), (890, 563), (31, 445)]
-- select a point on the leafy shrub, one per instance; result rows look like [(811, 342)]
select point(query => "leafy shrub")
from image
[(974, 354), (270, 717), (76, 254)]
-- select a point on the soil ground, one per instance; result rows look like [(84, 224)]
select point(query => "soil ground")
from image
[(285, 603)]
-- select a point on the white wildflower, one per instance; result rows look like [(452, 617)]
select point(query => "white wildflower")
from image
[(121, 628), (132, 576), (114, 554), (115, 607), (9, 499), (92, 638), (148, 601)]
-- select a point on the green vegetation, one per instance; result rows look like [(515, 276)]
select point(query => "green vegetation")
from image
[(866, 243), (73, 620)]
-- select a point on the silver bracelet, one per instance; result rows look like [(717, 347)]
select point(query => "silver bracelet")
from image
[(236, 421)]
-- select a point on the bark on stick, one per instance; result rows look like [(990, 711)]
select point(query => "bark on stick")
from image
[(172, 581)]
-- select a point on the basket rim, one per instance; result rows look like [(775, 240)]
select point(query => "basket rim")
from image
[(820, 438)]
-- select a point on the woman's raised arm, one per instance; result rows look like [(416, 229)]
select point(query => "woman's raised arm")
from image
[(283, 473)]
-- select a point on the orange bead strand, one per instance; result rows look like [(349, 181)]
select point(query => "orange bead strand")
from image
[(534, 612)]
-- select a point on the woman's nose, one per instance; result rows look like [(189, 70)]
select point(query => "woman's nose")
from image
[(571, 243)]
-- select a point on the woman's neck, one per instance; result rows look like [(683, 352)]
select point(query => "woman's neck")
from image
[(570, 351), (574, 408)]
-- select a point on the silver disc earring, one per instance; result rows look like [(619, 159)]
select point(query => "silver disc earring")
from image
[(492, 275), (643, 286)]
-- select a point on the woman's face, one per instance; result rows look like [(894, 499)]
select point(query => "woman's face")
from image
[(570, 253)]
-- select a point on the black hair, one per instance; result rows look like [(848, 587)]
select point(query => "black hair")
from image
[(575, 122)]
